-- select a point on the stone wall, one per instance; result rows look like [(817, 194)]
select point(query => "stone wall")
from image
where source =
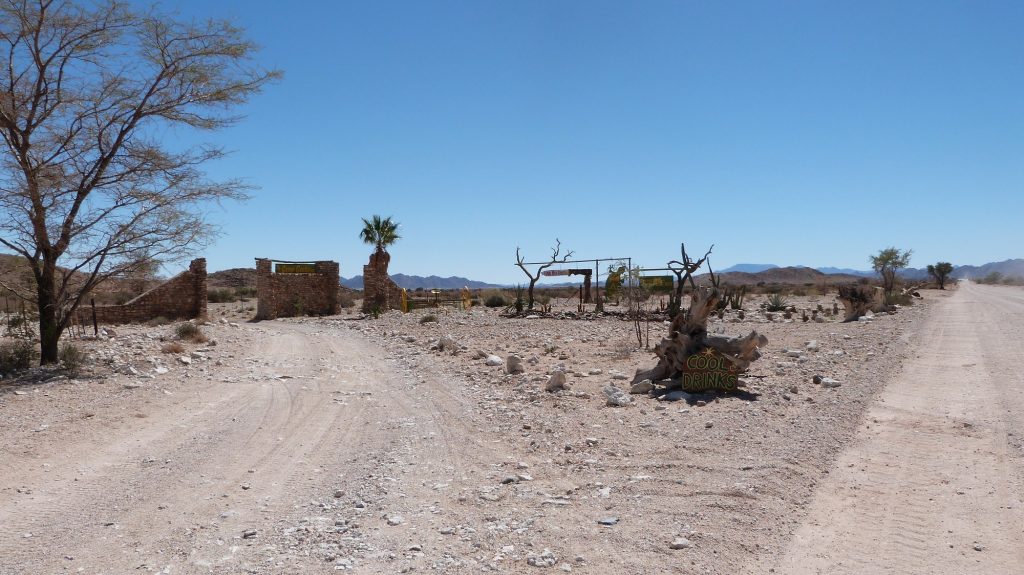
[(181, 297), (296, 294), (379, 291)]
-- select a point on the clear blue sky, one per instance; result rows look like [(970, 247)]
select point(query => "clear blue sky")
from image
[(792, 133)]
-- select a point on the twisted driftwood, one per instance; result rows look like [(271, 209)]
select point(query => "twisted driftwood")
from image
[(688, 335)]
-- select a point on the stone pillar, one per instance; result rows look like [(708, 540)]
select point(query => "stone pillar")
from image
[(333, 271), (198, 270), (264, 290)]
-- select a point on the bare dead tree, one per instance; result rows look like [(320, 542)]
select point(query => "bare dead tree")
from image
[(688, 334), (520, 261), (684, 271), (88, 187)]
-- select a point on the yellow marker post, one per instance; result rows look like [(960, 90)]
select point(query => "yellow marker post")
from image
[(405, 301)]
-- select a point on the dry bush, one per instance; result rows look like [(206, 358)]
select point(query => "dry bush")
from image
[(17, 356), (72, 358), (190, 332), (172, 347)]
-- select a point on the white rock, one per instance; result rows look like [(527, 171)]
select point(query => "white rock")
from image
[(644, 386), (680, 543), (494, 361), (616, 397)]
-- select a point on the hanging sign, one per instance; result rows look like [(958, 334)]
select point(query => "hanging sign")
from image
[(657, 284), (295, 268), (551, 273)]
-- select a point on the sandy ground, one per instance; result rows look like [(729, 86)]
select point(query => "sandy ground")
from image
[(933, 481), (333, 444)]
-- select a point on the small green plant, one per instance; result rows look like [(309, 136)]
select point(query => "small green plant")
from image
[(375, 312), (495, 300), (429, 318), (519, 303), (190, 332), (16, 356), (777, 303), (72, 358)]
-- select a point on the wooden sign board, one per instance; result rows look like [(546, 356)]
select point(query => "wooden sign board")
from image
[(657, 284), (553, 273), (709, 370), (295, 268)]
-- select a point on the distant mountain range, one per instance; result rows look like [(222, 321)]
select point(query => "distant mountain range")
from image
[(1008, 268), (429, 282)]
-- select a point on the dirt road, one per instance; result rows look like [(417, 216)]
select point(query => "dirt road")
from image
[(933, 481), (178, 487)]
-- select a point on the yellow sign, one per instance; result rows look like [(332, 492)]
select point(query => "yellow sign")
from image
[(657, 284), (405, 301), (709, 370), (295, 268)]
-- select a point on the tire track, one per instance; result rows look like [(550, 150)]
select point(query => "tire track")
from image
[(928, 485)]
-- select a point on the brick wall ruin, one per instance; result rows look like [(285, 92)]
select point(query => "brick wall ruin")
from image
[(297, 294), (379, 291), (181, 297)]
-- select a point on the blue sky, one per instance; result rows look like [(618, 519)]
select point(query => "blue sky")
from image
[(810, 133)]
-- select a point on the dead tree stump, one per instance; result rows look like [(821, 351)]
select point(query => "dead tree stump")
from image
[(688, 336), (857, 300)]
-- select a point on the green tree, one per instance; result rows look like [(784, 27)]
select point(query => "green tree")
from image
[(380, 232), (91, 186), (887, 263), (940, 272)]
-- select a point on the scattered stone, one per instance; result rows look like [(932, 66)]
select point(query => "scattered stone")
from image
[(394, 520), (608, 520), (185, 360), (447, 531), (829, 382), (249, 534), (509, 479), (616, 397), (676, 396), (709, 424), (680, 543), (812, 345), (494, 361), (545, 559), (641, 387)]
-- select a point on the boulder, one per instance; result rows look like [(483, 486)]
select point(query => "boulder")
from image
[(514, 365), (494, 361), (556, 382)]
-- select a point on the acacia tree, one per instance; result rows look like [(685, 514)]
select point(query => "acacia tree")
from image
[(940, 272), (887, 262), (89, 186), (521, 262)]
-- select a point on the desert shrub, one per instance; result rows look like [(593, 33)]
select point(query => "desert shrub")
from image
[(190, 332), (428, 319), (220, 295), (495, 300), (777, 303), (245, 292), (158, 321), (892, 299), (16, 356), (72, 358), (172, 347)]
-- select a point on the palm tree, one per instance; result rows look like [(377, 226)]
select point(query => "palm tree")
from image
[(380, 232)]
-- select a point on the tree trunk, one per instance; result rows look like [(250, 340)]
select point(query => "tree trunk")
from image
[(529, 293), (688, 335), (49, 319)]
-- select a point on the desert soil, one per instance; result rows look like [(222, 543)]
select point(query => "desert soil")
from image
[(341, 444)]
